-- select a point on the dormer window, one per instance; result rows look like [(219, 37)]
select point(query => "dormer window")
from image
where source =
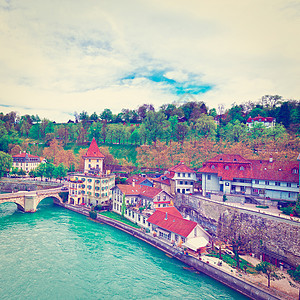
[(242, 168), (234, 159), (295, 171), (213, 167), (226, 168), (221, 158)]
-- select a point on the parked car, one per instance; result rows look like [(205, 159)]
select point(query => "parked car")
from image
[(64, 188)]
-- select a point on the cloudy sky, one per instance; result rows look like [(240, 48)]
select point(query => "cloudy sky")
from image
[(57, 57)]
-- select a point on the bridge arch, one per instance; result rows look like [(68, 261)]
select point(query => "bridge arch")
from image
[(55, 197), (19, 202)]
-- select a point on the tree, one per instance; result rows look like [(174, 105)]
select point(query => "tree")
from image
[(51, 152), (205, 126), (268, 270), (60, 172), (106, 115), (41, 170), (295, 274), (270, 101), (284, 115), (94, 117), (49, 171), (16, 150), (182, 130), (6, 162), (104, 130), (142, 110), (154, 123)]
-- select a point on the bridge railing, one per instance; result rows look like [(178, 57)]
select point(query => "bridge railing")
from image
[(30, 193)]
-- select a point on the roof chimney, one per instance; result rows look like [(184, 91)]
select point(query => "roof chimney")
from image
[(133, 182), (166, 218)]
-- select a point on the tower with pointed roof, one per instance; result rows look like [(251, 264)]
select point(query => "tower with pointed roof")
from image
[(93, 159)]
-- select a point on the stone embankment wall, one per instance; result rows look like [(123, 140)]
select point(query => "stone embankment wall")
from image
[(15, 185), (233, 282), (258, 233)]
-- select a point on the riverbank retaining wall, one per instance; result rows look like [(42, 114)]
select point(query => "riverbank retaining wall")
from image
[(260, 234), (233, 282)]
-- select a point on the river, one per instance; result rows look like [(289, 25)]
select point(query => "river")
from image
[(58, 254)]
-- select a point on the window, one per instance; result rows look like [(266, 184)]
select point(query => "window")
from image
[(178, 174), (288, 184), (226, 167), (189, 174), (208, 177), (277, 183), (267, 182), (181, 182), (213, 167), (242, 168), (256, 181), (295, 171), (183, 174), (178, 190)]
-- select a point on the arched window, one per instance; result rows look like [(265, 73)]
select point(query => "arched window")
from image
[(226, 168), (213, 167), (242, 168), (295, 171)]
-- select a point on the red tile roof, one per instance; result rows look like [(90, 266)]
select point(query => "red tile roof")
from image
[(172, 223), (94, 150), (260, 119), (172, 210), (165, 181), (137, 179), (238, 167), (139, 190), (181, 167), (23, 154)]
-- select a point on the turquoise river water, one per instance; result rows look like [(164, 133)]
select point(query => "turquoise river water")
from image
[(58, 254)]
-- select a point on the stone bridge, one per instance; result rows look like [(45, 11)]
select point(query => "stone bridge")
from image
[(28, 201)]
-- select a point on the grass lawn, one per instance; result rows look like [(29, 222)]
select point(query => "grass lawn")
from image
[(232, 262), (118, 217)]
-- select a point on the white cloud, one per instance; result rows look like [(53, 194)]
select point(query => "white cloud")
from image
[(60, 57)]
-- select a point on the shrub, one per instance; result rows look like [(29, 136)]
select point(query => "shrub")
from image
[(262, 206), (98, 207), (289, 210), (224, 198), (93, 214)]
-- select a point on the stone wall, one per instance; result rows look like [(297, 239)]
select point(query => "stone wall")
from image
[(259, 234), (15, 185)]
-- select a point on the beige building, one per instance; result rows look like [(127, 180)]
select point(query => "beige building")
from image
[(93, 187), (26, 161)]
